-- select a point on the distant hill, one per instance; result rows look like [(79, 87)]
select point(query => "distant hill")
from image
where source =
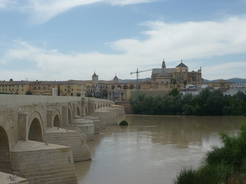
[(235, 80)]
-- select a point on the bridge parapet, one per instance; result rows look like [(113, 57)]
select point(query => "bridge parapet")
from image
[(31, 99)]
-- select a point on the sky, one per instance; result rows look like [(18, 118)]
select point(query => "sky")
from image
[(56, 40)]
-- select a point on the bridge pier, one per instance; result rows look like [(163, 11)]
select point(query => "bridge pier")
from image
[(44, 163), (86, 125), (75, 139), (96, 123), (109, 115)]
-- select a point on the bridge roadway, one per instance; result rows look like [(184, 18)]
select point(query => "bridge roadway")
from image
[(42, 136)]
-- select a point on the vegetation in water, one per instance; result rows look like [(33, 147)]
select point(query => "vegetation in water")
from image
[(6, 93), (123, 123), (207, 103), (28, 93), (225, 165)]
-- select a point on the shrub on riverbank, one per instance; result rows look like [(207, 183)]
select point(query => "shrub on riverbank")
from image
[(207, 103), (225, 165), (123, 123)]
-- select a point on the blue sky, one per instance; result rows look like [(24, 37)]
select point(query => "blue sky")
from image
[(62, 40)]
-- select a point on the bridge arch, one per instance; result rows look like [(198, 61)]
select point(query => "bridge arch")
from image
[(125, 87), (86, 110), (78, 111), (70, 116), (36, 129), (57, 121), (5, 164)]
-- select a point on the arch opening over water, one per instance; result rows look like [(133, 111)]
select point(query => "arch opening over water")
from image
[(57, 122), (69, 116), (5, 164), (78, 111)]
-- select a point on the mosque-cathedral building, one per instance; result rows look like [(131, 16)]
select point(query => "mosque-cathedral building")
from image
[(162, 81), (180, 74)]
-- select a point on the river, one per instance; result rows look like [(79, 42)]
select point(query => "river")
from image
[(152, 149)]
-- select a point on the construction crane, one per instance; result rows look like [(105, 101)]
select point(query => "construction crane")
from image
[(137, 72)]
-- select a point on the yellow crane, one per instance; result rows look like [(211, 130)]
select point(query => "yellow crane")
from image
[(137, 72)]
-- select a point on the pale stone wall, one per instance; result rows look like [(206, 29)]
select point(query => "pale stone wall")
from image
[(75, 140), (50, 121), (110, 115), (86, 125), (126, 105), (8, 121), (96, 123), (6, 178), (32, 99), (42, 163)]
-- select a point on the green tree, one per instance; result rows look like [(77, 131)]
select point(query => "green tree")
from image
[(28, 93), (188, 109), (174, 92), (215, 103), (173, 81), (204, 104), (220, 165)]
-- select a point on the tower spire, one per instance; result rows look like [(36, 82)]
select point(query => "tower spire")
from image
[(163, 64)]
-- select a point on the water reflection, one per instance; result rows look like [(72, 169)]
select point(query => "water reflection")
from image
[(152, 149)]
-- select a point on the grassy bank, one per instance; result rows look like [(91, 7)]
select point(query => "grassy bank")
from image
[(225, 165)]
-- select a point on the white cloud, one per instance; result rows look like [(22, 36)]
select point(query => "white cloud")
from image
[(6, 3), (189, 40), (52, 64), (2, 3), (173, 42), (44, 10), (127, 2)]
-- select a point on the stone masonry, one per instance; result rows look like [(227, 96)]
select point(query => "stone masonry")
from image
[(41, 136)]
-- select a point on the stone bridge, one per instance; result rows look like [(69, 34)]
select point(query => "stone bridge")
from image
[(42, 136)]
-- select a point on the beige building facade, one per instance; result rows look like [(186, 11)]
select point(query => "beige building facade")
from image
[(180, 74), (163, 79)]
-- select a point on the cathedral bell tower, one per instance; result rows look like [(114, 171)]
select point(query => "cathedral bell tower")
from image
[(95, 78), (163, 64)]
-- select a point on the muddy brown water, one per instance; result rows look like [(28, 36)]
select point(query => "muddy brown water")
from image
[(152, 149)]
